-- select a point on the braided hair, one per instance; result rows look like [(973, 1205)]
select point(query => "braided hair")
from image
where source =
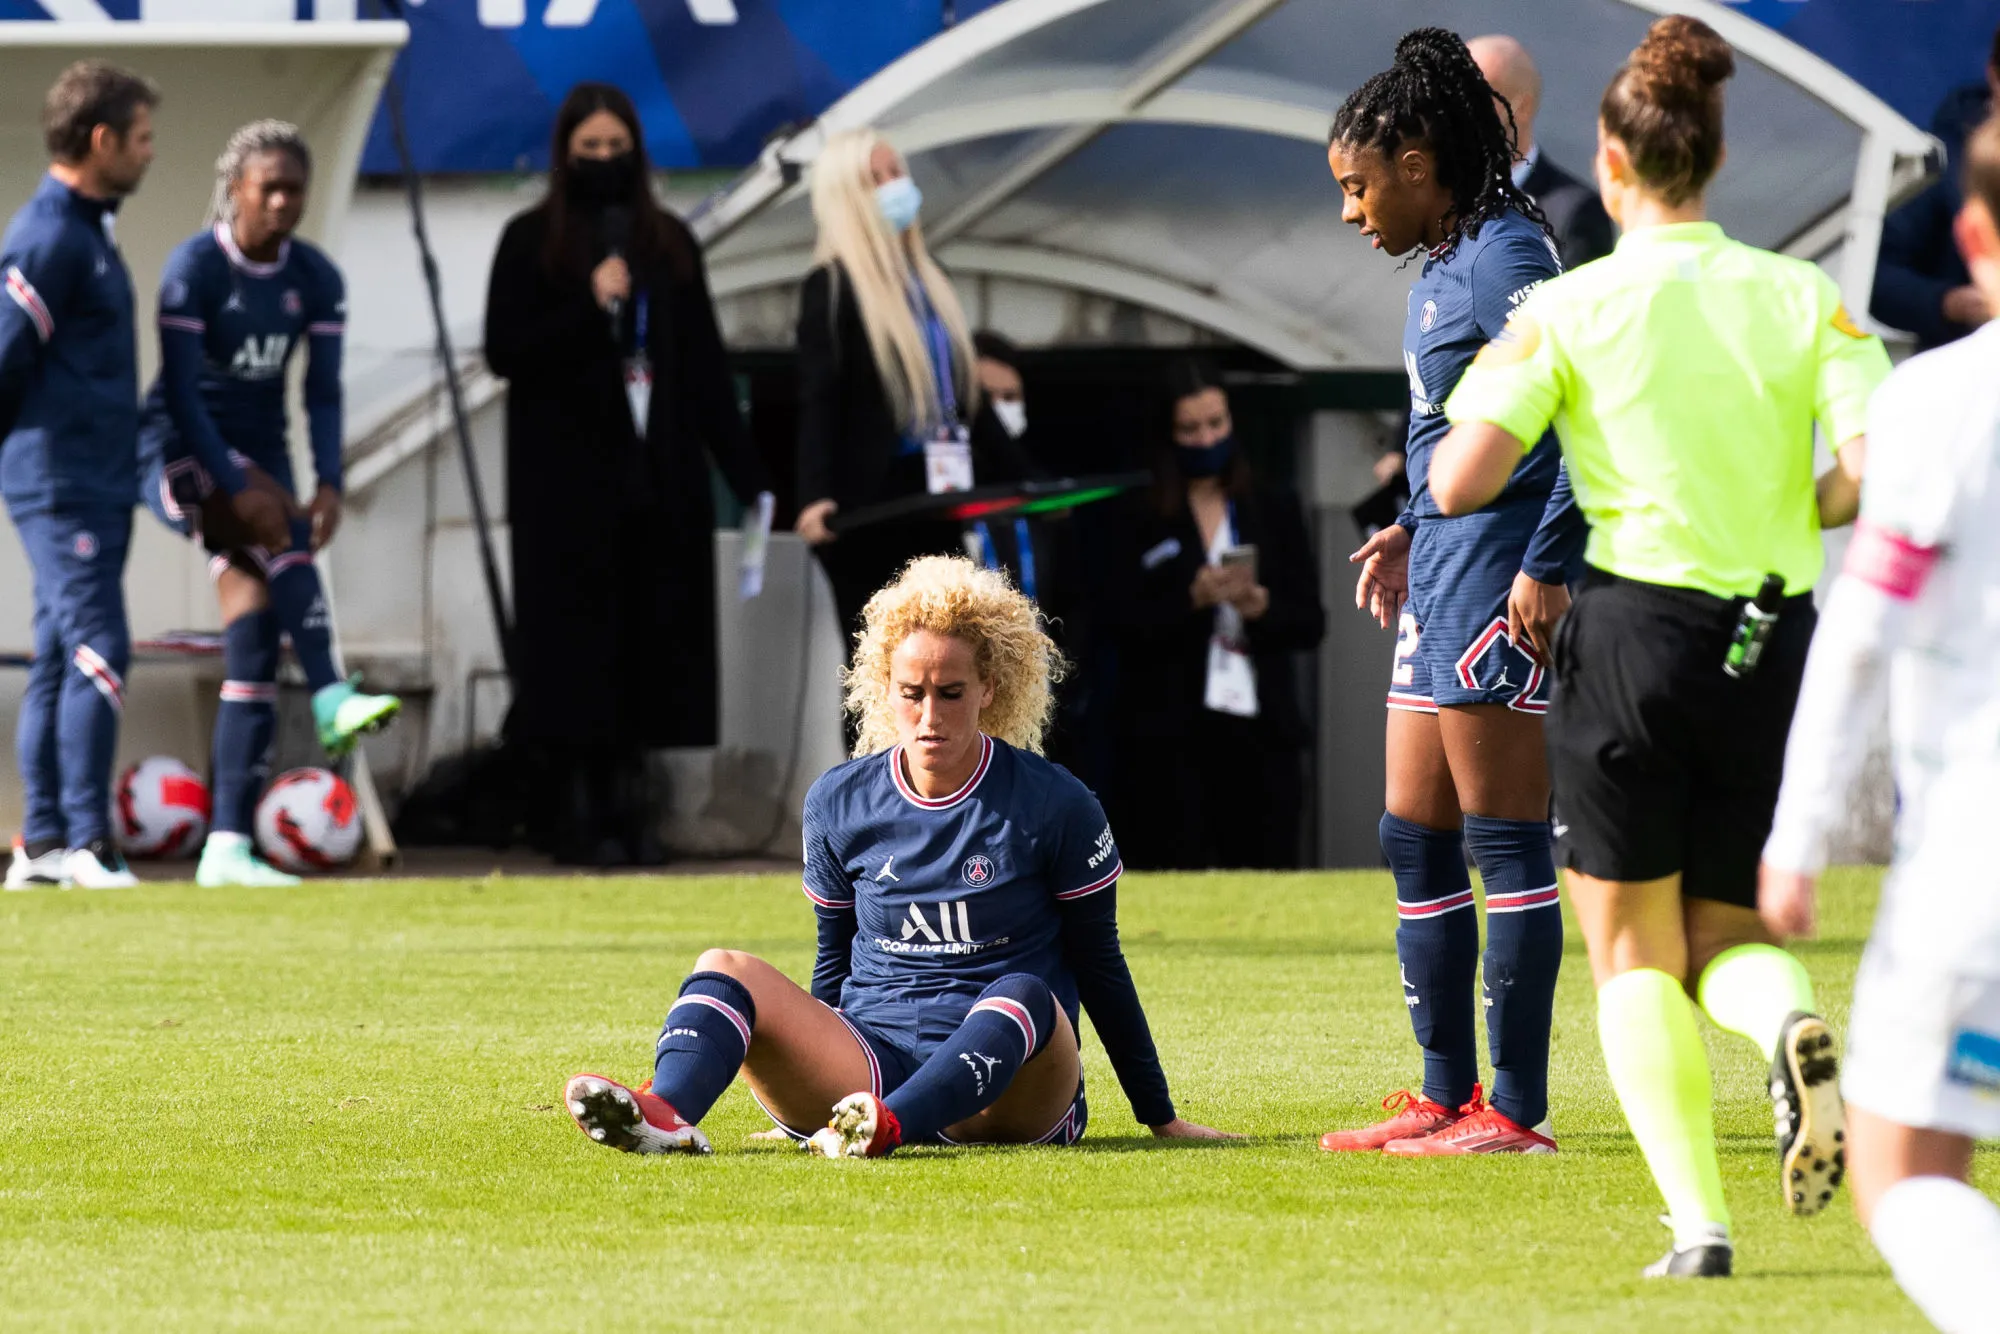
[(259, 136), (1435, 92)]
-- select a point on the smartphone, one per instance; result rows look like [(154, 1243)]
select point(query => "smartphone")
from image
[(1245, 556)]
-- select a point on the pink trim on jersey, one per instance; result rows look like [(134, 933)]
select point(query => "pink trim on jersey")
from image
[(1526, 899), (255, 268), (1094, 886), (185, 323), (28, 299), (334, 327), (941, 803), (290, 560), (1013, 1010), (1418, 911), (825, 903), (1412, 703), (1886, 559), (723, 1008)]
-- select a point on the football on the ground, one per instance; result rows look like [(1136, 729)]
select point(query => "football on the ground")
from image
[(308, 821), (161, 809)]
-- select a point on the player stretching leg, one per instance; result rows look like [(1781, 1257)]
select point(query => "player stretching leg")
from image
[(1423, 162), (235, 300), (966, 892), (1914, 616)]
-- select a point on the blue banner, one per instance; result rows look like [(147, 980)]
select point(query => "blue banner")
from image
[(713, 79)]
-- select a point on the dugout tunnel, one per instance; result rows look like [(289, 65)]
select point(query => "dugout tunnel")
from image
[(1112, 180)]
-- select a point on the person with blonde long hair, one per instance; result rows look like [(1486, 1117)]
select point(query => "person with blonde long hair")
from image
[(966, 896), (886, 386)]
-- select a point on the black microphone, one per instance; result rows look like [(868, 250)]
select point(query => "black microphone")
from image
[(616, 223)]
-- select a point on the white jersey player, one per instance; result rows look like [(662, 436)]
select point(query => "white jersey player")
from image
[(1916, 612)]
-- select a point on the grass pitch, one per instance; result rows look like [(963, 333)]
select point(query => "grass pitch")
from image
[(337, 1108)]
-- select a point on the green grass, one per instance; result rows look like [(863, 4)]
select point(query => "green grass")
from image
[(337, 1108)]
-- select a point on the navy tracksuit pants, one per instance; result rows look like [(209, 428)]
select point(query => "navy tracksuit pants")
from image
[(68, 728)]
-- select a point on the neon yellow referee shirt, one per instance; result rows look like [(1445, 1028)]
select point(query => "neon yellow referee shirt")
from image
[(1683, 373)]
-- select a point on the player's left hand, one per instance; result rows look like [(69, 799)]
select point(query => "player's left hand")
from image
[(1533, 608), (1179, 1129), (1787, 901), (325, 514)]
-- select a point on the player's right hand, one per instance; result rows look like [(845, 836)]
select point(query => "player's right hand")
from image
[(812, 524), (1787, 901), (1384, 585)]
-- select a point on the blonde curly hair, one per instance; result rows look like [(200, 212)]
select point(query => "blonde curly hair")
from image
[(951, 596)]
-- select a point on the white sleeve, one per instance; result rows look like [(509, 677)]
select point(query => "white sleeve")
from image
[(1843, 692), (1906, 510)]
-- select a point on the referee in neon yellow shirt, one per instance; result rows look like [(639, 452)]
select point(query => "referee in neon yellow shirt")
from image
[(1683, 374)]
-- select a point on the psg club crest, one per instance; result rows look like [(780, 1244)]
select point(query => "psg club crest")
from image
[(85, 547), (294, 306), (1428, 318), (978, 870)]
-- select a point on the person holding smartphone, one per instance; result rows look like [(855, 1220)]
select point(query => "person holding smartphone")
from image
[(1215, 592)]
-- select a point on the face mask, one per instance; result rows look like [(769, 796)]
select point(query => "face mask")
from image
[(605, 180), (899, 201), (1205, 460), (1013, 415)]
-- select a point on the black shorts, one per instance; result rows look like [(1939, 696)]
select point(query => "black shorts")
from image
[(1661, 762)]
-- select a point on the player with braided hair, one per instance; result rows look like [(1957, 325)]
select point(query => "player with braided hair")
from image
[(1424, 160), (236, 300)]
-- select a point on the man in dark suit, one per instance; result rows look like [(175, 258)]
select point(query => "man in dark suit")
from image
[(1583, 229)]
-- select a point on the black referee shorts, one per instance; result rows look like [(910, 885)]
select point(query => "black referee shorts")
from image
[(1660, 762)]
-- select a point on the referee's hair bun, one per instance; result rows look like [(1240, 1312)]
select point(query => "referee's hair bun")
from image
[(1682, 55)]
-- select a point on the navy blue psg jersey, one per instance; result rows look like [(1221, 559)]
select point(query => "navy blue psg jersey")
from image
[(1458, 305), (952, 894), (228, 327)]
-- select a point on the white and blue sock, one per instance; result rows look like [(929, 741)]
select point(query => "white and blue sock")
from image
[(703, 1042), (245, 720), (1524, 943), (1009, 1023), (1437, 944)]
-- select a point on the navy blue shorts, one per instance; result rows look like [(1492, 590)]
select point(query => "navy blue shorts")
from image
[(1451, 644), (899, 1037), (174, 484)]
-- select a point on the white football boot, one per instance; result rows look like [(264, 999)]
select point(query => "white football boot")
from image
[(98, 865)]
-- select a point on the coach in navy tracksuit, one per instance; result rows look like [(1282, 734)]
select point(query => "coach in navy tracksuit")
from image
[(69, 407)]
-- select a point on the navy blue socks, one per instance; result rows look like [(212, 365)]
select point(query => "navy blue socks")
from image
[(1437, 944), (1524, 941), (1009, 1023), (300, 605), (245, 719), (703, 1042)]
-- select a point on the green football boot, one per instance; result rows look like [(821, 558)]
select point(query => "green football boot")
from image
[(228, 859), (343, 714)]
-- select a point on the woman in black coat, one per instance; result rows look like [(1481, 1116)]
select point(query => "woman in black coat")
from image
[(1211, 741), (595, 292), (886, 385)]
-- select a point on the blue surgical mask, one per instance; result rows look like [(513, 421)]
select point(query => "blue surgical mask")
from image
[(1205, 460), (899, 201)]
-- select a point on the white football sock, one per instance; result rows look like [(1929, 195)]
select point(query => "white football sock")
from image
[(1942, 1239), (223, 840)]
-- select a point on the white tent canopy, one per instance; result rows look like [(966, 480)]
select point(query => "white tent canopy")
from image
[(1170, 154)]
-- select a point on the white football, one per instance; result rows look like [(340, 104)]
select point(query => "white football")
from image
[(308, 821), (161, 809)]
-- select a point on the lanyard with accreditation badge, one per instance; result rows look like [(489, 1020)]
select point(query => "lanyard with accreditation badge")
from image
[(948, 452), (639, 371)]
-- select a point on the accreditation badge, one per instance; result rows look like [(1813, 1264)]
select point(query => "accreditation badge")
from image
[(948, 461), (639, 390)]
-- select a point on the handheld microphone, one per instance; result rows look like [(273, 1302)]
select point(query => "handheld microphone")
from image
[(617, 224)]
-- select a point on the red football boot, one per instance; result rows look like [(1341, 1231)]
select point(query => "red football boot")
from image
[(1412, 1117), (862, 1127), (1479, 1129), (637, 1122)]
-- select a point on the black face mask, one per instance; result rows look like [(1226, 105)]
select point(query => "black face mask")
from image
[(596, 182)]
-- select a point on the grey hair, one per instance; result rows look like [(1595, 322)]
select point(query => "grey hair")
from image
[(259, 136)]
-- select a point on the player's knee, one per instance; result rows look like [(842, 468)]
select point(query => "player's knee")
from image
[(730, 963), (1034, 998)]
